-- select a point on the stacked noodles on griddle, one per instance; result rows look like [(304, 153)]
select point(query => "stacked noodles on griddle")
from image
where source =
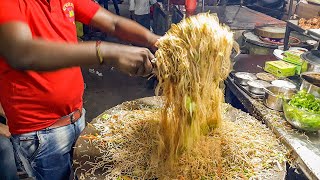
[(141, 142), (193, 60)]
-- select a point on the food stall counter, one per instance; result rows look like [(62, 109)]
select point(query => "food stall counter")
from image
[(305, 146)]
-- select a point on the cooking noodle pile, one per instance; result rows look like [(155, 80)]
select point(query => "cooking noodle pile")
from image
[(193, 60), (184, 138), (127, 144)]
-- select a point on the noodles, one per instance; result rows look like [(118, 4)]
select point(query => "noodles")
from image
[(186, 137), (193, 59), (127, 146)]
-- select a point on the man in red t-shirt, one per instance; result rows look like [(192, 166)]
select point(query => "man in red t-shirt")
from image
[(40, 78)]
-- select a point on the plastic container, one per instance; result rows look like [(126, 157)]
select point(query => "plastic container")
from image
[(280, 68)]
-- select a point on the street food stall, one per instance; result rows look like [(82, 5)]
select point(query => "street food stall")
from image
[(248, 25), (275, 82)]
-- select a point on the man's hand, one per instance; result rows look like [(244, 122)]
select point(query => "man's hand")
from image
[(4, 130), (154, 43), (134, 61)]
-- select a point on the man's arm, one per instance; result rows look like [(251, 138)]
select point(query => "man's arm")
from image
[(24, 53), (124, 29), (4, 130)]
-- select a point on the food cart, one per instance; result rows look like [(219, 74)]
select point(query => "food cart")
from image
[(303, 142)]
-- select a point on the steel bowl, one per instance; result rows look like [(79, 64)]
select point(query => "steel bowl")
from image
[(313, 68), (283, 84), (243, 77), (313, 59), (274, 97), (311, 83), (258, 86)]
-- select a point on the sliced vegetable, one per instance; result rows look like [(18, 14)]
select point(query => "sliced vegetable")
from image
[(306, 101), (303, 111)]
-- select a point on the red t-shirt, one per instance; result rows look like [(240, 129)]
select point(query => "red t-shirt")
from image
[(35, 100)]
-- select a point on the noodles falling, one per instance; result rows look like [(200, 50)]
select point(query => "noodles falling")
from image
[(193, 59)]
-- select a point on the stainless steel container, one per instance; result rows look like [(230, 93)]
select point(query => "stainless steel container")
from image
[(283, 84), (258, 86), (313, 59), (243, 77), (313, 68), (275, 96), (311, 83)]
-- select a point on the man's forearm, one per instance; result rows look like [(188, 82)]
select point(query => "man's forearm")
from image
[(23, 52), (45, 56), (124, 29), (135, 33)]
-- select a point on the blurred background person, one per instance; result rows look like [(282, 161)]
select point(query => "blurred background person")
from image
[(140, 11), (104, 3)]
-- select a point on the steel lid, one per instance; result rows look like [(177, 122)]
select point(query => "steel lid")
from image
[(274, 31)]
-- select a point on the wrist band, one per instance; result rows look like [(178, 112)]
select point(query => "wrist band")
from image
[(99, 52)]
